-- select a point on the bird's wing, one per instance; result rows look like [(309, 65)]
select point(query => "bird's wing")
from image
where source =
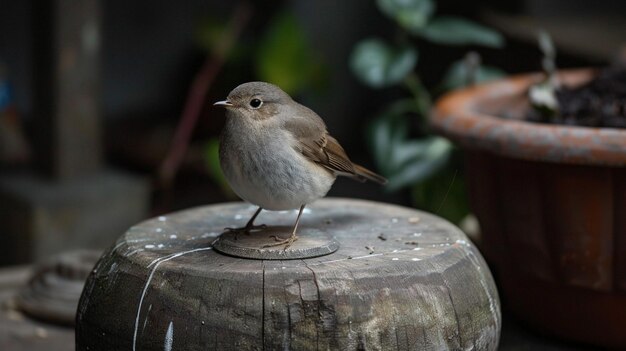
[(314, 142), (326, 151)]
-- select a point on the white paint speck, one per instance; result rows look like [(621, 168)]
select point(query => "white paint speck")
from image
[(149, 246), (158, 230), (415, 259), (169, 337), (173, 236), (361, 257), (417, 234), (394, 251), (162, 218), (160, 246), (395, 259), (112, 268), (133, 252), (238, 216), (417, 249)]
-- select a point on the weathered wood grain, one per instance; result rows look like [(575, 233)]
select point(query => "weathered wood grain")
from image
[(401, 280)]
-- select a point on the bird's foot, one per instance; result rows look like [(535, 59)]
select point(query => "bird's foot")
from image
[(282, 241), (246, 230)]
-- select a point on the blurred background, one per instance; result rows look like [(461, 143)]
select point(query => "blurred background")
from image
[(106, 114)]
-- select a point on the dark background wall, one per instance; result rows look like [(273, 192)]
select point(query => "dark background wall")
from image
[(150, 56)]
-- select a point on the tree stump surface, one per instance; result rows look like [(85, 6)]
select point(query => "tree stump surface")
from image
[(401, 280)]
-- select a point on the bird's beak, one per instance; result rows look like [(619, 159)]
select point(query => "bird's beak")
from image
[(224, 103)]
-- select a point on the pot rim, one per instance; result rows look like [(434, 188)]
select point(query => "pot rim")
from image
[(456, 116)]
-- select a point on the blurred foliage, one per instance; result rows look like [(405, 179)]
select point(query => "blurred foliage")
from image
[(468, 71), (458, 31), (542, 95), (380, 65), (282, 55), (285, 57), (408, 153), (411, 15), (212, 160), (400, 158), (209, 32), (444, 194)]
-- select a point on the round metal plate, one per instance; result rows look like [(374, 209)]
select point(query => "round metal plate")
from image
[(310, 243)]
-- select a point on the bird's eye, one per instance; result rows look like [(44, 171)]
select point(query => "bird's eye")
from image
[(256, 103)]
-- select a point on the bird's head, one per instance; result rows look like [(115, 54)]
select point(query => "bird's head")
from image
[(255, 100)]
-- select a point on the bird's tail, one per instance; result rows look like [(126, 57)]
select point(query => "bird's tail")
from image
[(363, 174)]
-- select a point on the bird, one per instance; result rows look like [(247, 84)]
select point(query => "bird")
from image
[(278, 155)]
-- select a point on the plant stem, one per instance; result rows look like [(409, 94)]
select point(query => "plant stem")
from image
[(420, 94), (423, 100), (198, 91)]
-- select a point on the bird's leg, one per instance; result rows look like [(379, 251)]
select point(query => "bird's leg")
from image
[(249, 226), (287, 242)]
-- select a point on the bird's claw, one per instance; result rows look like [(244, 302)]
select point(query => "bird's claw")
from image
[(282, 241), (246, 230)]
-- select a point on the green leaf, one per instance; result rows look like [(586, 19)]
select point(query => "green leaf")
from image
[(543, 98), (405, 161), (458, 31), (424, 164), (379, 65), (210, 35), (285, 58), (459, 75), (209, 32), (548, 62), (384, 133), (412, 15), (431, 156), (546, 45)]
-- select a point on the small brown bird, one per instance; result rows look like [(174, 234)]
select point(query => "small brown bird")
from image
[(277, 154)]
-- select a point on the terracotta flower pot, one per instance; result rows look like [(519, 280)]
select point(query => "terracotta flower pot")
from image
[(551, 202)]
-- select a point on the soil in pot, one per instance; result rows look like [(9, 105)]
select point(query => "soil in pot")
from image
[(599, 103)]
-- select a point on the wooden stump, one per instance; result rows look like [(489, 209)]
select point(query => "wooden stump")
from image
[(400, 280)]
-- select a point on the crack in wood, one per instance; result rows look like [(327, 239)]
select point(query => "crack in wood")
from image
[(456, 314), (319, 305), (263, 309), (288, 319)]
